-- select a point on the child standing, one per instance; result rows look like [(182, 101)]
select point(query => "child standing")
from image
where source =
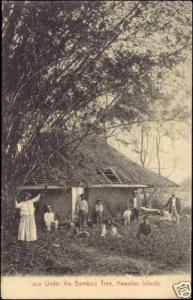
[(127, 215), (99, 212)]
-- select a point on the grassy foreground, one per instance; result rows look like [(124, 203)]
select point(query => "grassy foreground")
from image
[(167, 249)]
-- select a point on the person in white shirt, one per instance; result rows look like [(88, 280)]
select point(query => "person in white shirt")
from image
[(99, 212), (127, 215), (27, 226), (82, 210), (49, 219), (113, 231)]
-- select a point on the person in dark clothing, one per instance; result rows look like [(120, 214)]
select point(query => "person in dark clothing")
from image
[(174, 206), (135, 207), (41, 208), (108, 221), (144, 227)]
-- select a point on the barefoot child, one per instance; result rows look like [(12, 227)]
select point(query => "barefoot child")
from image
[(127, 215)]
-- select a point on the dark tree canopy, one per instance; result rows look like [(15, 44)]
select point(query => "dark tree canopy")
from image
[(68, 65)]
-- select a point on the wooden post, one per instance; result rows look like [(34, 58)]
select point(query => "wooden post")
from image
[(76, 192), (145, 198)]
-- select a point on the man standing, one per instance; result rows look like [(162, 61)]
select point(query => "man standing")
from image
[(174, 208), (82, 210), (135, 206)]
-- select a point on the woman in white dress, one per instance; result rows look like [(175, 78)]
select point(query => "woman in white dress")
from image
[(27, 225)]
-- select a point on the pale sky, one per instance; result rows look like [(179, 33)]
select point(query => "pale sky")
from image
[(181, 152)]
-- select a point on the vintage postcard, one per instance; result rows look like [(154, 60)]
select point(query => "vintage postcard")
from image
[(96, 149)]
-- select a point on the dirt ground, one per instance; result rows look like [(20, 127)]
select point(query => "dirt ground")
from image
[(167, 249)]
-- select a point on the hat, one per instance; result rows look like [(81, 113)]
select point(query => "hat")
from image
[(27, 194)]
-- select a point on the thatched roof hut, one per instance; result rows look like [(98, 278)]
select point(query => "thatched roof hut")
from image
[(93, 168), (93, 163)]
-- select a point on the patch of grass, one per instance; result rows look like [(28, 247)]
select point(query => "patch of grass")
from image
[(168, 245), (166, 249)]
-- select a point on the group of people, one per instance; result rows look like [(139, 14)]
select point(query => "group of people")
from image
[(82, 211), (131, 211), (173, 206), (27, 226), (109, 229)]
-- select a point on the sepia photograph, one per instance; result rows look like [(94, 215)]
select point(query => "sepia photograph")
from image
[(96, 149)]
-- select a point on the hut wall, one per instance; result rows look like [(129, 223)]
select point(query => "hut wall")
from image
[(60, 201), (114, 200)]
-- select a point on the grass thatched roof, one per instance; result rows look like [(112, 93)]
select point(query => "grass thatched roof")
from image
[(93, 163)]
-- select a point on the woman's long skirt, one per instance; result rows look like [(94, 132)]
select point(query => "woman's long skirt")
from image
[(27, 229)]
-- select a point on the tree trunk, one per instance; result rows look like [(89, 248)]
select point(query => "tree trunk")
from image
[(8, 220), (149, 200), (158, 151)]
